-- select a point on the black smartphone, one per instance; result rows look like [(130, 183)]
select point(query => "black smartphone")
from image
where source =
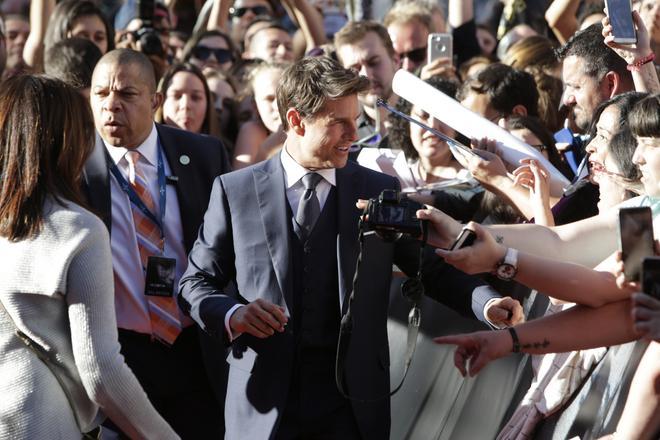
[(464, 239), (635, 239), (620, 14), (651, 276)]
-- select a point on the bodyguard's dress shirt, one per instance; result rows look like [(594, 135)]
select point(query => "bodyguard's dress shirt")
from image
[(130, 300)]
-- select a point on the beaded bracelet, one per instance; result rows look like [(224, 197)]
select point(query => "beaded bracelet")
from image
[(636, 65)]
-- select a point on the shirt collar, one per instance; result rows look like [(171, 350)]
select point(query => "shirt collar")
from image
[(148, 149), (293, 171)]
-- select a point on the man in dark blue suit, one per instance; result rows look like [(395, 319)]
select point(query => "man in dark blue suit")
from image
[(138, 164), (285, 230)]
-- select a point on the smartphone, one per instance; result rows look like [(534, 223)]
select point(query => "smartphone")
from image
[(651, 276), (440, 46), (635, 239), (620, 14), (464, 239)]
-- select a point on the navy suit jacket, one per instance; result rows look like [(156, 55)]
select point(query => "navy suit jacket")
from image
[(245, 238), (206, 159)]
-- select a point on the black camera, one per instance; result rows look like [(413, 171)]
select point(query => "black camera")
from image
[(147, 36), (393, 214)]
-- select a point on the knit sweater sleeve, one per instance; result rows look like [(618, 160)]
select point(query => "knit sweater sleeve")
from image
[(106, 377)]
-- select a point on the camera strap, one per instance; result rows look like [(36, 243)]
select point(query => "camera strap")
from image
[(413, 289)]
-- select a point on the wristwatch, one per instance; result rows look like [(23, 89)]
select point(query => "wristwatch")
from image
[(507, 268)]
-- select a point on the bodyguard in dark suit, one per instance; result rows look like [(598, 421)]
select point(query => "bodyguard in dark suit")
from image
[(150, 184), (286, 231)]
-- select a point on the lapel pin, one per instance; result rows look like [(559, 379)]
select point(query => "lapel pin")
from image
[(185, 160)]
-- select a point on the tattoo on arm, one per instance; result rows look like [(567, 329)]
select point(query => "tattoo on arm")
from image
[(499, 239), (536, 345)]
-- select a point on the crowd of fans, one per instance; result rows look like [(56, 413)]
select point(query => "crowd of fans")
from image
[(196, 90)]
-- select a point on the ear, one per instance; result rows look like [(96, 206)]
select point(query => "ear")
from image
[(610, 84), (519, 110), (295, 121), (156, 101)]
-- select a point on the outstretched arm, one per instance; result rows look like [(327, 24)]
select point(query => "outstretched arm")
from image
[(578, 328), (33, 51)]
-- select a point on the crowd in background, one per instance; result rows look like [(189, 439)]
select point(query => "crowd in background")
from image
[(548, 72)]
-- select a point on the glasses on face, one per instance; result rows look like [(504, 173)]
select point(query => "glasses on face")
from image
[(256, 10), (203, 53), (416, 55)]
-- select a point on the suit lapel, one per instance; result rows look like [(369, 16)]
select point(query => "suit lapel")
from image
[(271, 198), (181, 166), (348, 190), (97, 182)]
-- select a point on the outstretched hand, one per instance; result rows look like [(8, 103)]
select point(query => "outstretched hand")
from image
[(476, 350), (481, 257)]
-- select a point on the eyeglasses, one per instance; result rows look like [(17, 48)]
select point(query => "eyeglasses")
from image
[(204, 52), (256, 10), (416, 55)]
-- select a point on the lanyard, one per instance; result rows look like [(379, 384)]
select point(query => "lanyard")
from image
[(135, 199)]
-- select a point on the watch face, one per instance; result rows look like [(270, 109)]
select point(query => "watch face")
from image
[(506, 271)]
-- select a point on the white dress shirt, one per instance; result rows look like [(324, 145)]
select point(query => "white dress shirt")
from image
[(293, 174), (130, 300)]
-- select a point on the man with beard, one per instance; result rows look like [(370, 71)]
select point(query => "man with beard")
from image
[(592, 73), (366, 47)]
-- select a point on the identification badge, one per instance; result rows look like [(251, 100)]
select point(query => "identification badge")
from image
[(160, 276)]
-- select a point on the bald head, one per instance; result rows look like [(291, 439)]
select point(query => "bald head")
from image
[(130, 58), (124, 98)]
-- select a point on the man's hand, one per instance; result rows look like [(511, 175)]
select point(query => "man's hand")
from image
[(259, 318), (443, 229), (439, 67), (504, 312), (480, 257)]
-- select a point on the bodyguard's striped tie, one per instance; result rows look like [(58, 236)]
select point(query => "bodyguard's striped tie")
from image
[(163, 311)]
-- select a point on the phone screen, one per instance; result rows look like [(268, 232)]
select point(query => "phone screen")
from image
[(620, 14), (636, 239), (439, 46), (464, 239), (651, 276)]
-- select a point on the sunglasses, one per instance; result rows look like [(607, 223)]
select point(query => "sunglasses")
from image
[(203, 53), (256, 10), (416, 55)]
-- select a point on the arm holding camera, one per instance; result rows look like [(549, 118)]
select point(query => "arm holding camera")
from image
[(486, 255)]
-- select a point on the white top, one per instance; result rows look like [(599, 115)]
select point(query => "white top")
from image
[(58, 289), (130, 300)]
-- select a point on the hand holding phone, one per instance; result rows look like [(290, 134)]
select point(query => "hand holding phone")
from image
[(440, 46), (635, 239), (620, 15), (651, 276), (464, 239)]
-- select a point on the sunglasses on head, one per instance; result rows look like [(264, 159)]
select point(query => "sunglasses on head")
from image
[(416, 55), (256, 10), (203, 53)]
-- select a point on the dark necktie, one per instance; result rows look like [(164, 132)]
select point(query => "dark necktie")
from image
[(309, 208)]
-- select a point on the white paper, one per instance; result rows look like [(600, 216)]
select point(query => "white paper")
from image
[(452, 113)]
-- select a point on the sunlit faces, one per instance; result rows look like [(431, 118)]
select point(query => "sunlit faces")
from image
[(212, 51), (91, 27), (647, 157), (324, 140), (123, 104), (611, 191), (221, 92), (17, 33), (408, 38), (185, 102), (582, 92), (264, 86), (370, 58), (527, 136), (598, 147), (480, 104), (427, 144), (272, 44), (244, 12)]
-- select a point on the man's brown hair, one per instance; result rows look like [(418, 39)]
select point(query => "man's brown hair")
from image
[(310, 82), (354, 31)]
